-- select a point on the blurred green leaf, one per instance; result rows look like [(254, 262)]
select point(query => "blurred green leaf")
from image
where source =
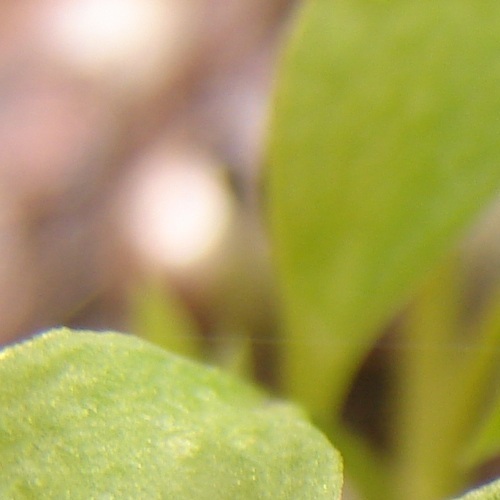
[(87, 415), (383, 148)]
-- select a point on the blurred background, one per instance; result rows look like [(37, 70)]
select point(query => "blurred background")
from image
[(131, 141)]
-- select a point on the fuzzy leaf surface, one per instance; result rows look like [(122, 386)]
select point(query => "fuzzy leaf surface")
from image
[(104, 415), (489, 492)]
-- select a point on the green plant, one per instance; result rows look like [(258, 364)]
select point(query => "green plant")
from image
[(383, 150)]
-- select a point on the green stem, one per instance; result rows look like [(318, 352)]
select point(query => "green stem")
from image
[(428, 434), (479, 368), (366, 470)]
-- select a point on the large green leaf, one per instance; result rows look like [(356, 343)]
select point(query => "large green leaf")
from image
[(87, 415), (383, 148)]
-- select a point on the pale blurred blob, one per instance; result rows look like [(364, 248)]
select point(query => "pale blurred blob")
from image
[(179, 210), (130, 44)]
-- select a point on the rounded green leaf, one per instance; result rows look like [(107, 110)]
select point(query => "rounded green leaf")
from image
[(104, 415)]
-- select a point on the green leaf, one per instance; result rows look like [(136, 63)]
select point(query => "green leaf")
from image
[(383, 148), (88, 415), (489, 492)]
